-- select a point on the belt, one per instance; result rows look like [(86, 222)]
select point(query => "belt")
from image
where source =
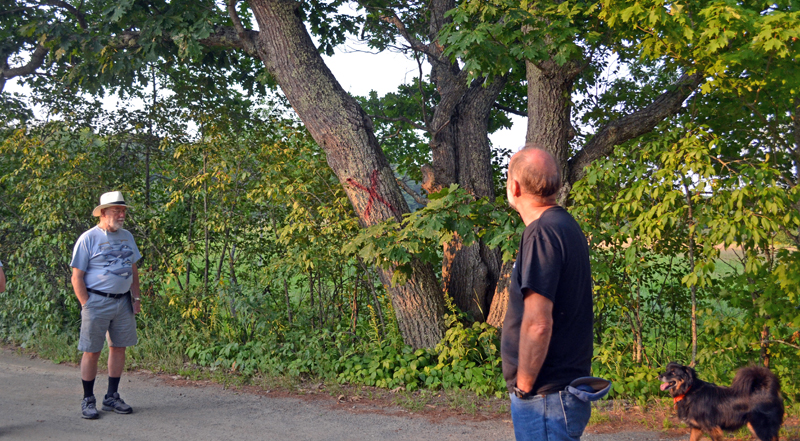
[(105, 294)]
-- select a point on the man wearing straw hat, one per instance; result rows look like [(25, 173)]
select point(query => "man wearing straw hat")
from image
[(106, 282)]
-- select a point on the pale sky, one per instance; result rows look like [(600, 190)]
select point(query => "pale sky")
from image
[(361, 72)]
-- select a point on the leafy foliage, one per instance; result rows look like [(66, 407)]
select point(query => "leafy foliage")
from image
[(672, 196), (451, 211)]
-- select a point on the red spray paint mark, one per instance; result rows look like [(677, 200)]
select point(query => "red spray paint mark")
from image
[(372, 190)]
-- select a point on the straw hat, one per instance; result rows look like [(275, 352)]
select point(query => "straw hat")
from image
[(112, 198)]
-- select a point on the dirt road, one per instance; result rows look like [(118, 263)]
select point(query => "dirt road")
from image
[(41, 400)]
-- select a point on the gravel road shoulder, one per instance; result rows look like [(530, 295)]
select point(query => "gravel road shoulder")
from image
[(41, 400)]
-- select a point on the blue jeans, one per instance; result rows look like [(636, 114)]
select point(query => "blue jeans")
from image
[(557, 416)]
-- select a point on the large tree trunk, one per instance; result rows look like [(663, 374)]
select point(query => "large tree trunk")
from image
[(549, 94), (461, 154), (339, 125)]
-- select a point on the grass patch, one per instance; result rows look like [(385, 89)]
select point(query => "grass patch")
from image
[(463, 400), (57, 347), (411, 401), (599, 417), (159, 349)]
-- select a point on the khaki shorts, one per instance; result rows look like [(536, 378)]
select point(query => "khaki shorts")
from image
[(104, 317)]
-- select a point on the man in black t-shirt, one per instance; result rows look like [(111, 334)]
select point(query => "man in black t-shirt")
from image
[(547, 333)]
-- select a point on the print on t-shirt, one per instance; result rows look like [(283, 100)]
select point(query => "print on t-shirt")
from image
[(118, 262)]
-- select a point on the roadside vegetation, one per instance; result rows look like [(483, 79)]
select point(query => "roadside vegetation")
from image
[(254, 263)]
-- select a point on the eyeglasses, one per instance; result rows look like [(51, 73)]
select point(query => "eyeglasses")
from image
[(116, 211)]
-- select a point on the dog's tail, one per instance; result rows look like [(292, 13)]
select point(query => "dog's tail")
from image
[(765, 401), (753, 379)]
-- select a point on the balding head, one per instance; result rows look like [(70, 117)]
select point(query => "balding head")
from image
[(536, 171)]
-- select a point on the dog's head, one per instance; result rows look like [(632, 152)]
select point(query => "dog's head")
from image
[(678, 379)]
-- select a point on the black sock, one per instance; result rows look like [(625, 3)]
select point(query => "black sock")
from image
[(113, 385), (88, 388)]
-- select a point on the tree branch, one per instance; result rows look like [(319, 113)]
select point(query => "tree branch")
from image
[(223, 36), (422, 200), (15, 10), (401, 119), (785, 343), (452, 87), (633, 125), (72, 10), (36, 61), (248, 40), (510, 110), (413, 43), (422, 93)]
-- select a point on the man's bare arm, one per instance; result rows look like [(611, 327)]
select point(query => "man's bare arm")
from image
[(135, 292), (534, 338), (79, 285), (2, 280)]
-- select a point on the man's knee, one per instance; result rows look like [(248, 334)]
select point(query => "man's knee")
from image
[(91, 357)]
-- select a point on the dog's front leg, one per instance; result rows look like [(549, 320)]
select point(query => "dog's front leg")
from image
[(696, 434), (716, 434)]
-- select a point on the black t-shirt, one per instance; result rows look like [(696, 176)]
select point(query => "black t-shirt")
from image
[(553, 261)]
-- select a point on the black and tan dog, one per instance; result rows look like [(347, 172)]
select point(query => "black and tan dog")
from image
[(754, 399)]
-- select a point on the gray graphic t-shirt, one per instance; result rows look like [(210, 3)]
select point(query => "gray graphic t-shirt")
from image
[(107, 258)]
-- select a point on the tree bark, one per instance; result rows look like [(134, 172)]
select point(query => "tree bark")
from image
[(497, 312), (549, 91), (549, 110), (764, 354), (339, 125)]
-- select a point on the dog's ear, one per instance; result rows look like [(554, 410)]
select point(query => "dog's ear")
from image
[(692, 373), (671, 366)]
